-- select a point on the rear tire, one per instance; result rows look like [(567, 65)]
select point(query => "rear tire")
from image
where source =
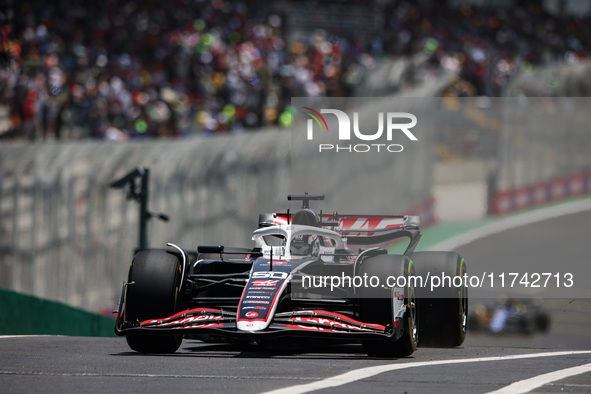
[(154, 281), (443, 313), (376, 305)]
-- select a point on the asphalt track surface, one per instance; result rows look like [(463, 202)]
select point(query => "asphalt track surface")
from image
[(559, 361)]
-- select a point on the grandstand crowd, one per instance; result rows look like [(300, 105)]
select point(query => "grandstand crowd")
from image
[(124, 69)]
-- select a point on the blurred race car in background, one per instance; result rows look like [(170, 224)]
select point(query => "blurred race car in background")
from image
[(510, 315), (285, 286)]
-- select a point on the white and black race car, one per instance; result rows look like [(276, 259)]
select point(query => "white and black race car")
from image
[(308, 274)]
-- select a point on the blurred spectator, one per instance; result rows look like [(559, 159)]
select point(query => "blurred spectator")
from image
[(124, 69)]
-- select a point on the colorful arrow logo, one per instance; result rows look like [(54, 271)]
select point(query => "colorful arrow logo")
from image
[(317, 117)]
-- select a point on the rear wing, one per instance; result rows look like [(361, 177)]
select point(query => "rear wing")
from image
[(358, 229), (349, 225)]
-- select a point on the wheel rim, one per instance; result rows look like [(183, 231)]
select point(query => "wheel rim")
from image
[(413, 316), (464, 311), (463, 302)]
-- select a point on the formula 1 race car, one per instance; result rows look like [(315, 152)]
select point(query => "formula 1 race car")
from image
[(309, 274), (510, 316)]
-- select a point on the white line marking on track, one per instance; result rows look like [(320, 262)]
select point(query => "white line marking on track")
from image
[(365, 373), (527, 385), (145, 375), (512, 222)]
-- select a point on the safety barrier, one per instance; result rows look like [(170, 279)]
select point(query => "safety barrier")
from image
[(553, 190), (22, 314)]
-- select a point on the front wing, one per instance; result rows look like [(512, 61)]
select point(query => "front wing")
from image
[(296, 324)]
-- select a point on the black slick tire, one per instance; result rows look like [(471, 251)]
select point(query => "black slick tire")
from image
[(443, 312), (376, 305), (154, 280)]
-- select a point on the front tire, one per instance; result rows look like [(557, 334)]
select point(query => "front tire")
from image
[(152, 293), (443, 313), (376, 305)]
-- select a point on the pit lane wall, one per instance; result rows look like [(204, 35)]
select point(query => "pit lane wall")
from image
[(66, 236)]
